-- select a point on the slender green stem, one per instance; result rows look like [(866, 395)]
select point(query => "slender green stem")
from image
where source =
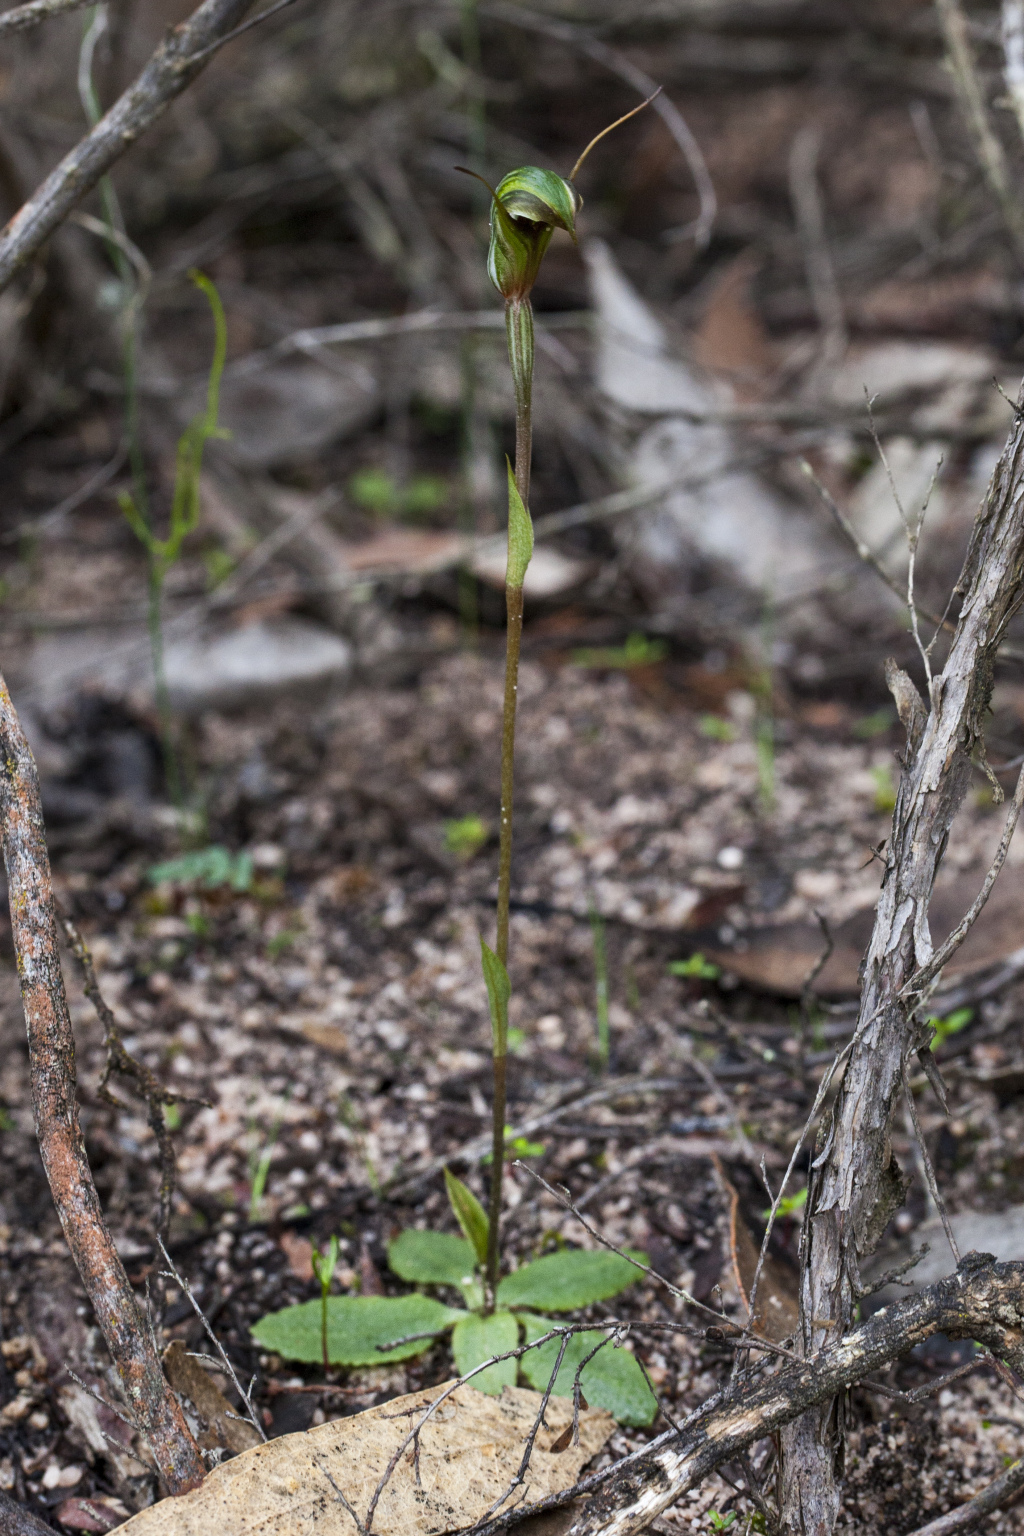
[(323, 1328), (154, 618), (519, 328)]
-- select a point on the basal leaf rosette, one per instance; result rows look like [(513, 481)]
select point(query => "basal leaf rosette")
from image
[(381, 1330)]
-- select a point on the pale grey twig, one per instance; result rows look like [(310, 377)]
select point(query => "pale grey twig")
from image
[(1013, 56), (929, 1171), (173, 66), (810, 218), (21, 17), (928, 972), (975, 109)]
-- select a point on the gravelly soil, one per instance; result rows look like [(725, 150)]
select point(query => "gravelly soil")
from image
[(333, 1016)]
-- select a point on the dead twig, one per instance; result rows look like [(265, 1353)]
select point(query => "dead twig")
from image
[(968, 1516), (21, 17), (120, 1060), (61, 1145), (982, 1295), (186, 1289), (810, 220), (854, 1184), (927, 973), (971, 95), (864, 551), (172, 68)]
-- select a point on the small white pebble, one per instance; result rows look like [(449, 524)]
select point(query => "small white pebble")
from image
[(730, 858)]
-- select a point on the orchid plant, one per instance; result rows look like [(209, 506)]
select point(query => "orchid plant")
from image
[(527, 206)]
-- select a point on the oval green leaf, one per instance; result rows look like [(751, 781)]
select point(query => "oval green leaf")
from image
[(568, 1280), (561, 1282), (477, 1339), (359, 1329), (432, 1258), (613, 1379)]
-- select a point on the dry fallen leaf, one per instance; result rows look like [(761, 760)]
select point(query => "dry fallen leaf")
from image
[(222, 1424), (470, 1451), (299, 1253), (776, 1306), (778, 956)]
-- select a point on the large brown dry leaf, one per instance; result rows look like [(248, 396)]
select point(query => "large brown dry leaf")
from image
[(470, 1451), (778, 957)]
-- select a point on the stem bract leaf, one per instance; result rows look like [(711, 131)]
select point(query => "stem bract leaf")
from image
[(469, 1213), (520, 534), (499, 990)]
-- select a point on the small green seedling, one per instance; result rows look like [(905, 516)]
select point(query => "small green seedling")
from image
[(716, 728), (638, 651), (885, 789), (788, 1205), (870, 726), (721, 1522), (163, 554), (377, 1330), (259, 1168), (952, 1024), (207, 867), (517, 1146), (466, 836), (324, 1265), (696, 968), (218, 565), (375, 491)]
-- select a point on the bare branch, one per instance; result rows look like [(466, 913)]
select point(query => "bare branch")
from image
[(24, 16), (982, 1300), (972, 101), (120, 1060), (62, 1148), (971, 1515), (855, 1184), (175, 64), (810, 218), (927, 973)]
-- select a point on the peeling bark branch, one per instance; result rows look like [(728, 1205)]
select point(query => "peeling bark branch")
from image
[(855, 1184), (51, 1045), (983, 1300), (181, 56), (16, 1520)]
